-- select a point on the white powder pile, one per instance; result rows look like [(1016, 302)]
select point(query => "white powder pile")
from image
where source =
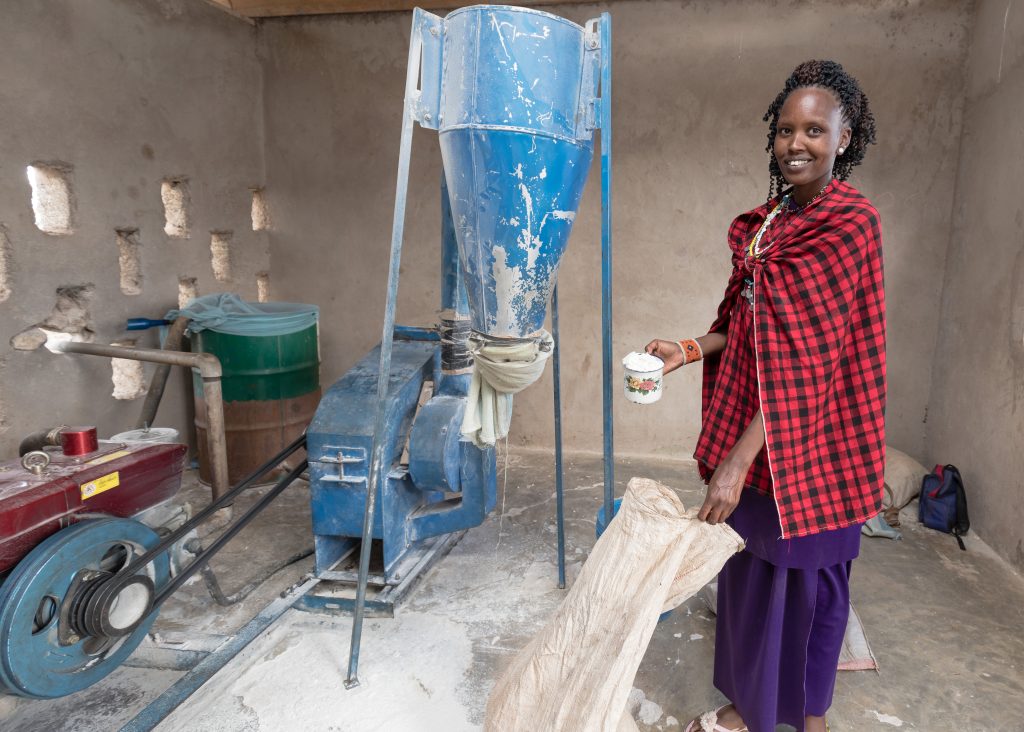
[(292, 678), (642, 362)]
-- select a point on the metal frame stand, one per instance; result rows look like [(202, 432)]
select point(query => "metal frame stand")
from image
[(604, 117), (410, 115), (606, 261), (556, 374), (414, 112)]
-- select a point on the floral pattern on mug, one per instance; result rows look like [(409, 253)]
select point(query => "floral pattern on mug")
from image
[(642, 386)]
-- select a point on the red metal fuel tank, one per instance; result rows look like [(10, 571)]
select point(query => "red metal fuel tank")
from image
[(116, 479)]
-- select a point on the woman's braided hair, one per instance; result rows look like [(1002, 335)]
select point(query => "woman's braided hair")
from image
[(856, 112)]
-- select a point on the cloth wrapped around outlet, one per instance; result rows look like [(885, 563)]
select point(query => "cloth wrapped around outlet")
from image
[(499, 371), (576, 673)]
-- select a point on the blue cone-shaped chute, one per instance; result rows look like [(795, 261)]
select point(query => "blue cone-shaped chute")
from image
[(516, 113)]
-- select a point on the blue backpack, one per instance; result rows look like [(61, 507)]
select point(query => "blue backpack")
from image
[(943, 504)]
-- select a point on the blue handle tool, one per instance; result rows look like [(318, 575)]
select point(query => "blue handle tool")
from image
[(145, 323)]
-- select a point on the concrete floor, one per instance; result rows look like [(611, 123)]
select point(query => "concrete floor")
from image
[(945, 625)]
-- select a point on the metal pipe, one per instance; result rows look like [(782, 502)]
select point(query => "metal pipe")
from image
[(559, 491), (39, 440), (173, 341), (210, 372), (216, 438), (606, 263), (213, 584)]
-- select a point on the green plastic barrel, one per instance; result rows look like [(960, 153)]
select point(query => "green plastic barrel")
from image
[(270, 383)]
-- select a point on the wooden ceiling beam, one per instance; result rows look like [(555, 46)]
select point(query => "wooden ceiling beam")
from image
[(278, 8)]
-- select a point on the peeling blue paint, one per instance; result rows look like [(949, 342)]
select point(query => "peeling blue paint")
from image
[(516, 85)]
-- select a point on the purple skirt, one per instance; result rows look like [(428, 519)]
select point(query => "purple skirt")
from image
[(783, 605)]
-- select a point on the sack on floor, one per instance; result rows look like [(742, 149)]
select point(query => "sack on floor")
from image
[(903, 477), (576, 673), (943, 504)]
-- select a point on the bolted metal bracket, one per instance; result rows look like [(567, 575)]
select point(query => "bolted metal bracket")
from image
[(424, 104), (342, 456), (589, 112)]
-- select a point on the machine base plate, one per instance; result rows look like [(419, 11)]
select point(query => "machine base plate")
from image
[(336, 593)]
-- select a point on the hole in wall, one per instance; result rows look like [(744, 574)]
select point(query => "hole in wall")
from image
[(128, 377), (220, 255), (175, 195), (129, 261), (188, 290), (260, 213), (5, 265), (70, 319), (52, 198), (262, 287)]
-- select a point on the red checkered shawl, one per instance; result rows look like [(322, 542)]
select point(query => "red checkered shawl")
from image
[(819, 340)]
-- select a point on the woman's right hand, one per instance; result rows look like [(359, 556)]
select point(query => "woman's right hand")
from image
[(724, 490), (667, 351)]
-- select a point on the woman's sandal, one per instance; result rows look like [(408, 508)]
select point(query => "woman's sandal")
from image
[(708, 722)]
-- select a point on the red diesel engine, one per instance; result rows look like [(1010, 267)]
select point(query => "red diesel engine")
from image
[(65, 525)]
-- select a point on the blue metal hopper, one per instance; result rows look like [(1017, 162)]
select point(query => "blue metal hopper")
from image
[(515, 124)]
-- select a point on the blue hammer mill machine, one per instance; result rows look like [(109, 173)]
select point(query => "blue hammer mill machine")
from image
[(516, 96)]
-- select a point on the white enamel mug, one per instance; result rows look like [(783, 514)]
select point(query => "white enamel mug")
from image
[(642, 378)]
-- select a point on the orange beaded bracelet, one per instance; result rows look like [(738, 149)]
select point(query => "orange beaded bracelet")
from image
[(691, 350)]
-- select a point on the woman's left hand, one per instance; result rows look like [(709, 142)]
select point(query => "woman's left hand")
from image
[(724, 490)]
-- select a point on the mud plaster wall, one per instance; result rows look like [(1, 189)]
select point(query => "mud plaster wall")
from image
[(691, 82), (976, 413), (127, 92)]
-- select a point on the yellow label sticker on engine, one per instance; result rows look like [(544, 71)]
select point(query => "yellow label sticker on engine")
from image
[(105, 483), (107, 458)]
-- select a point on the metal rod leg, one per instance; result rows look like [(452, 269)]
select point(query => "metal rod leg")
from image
[(606, 262), (559, 490), (384, 372)]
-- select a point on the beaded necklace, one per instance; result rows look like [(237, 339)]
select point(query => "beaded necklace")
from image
[(755, 244), (755, 250)]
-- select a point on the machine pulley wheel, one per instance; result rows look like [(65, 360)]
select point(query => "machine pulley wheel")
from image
[(107, 610), (59, 631)]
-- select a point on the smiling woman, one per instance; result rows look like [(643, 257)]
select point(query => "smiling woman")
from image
[(824, 89), (811, 133), (792, 437)]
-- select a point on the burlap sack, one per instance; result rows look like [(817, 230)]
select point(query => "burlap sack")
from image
[(903, 477), (577, 672)]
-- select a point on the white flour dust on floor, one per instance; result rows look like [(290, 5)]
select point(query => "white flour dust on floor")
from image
[(886, 718), (292, 678)]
